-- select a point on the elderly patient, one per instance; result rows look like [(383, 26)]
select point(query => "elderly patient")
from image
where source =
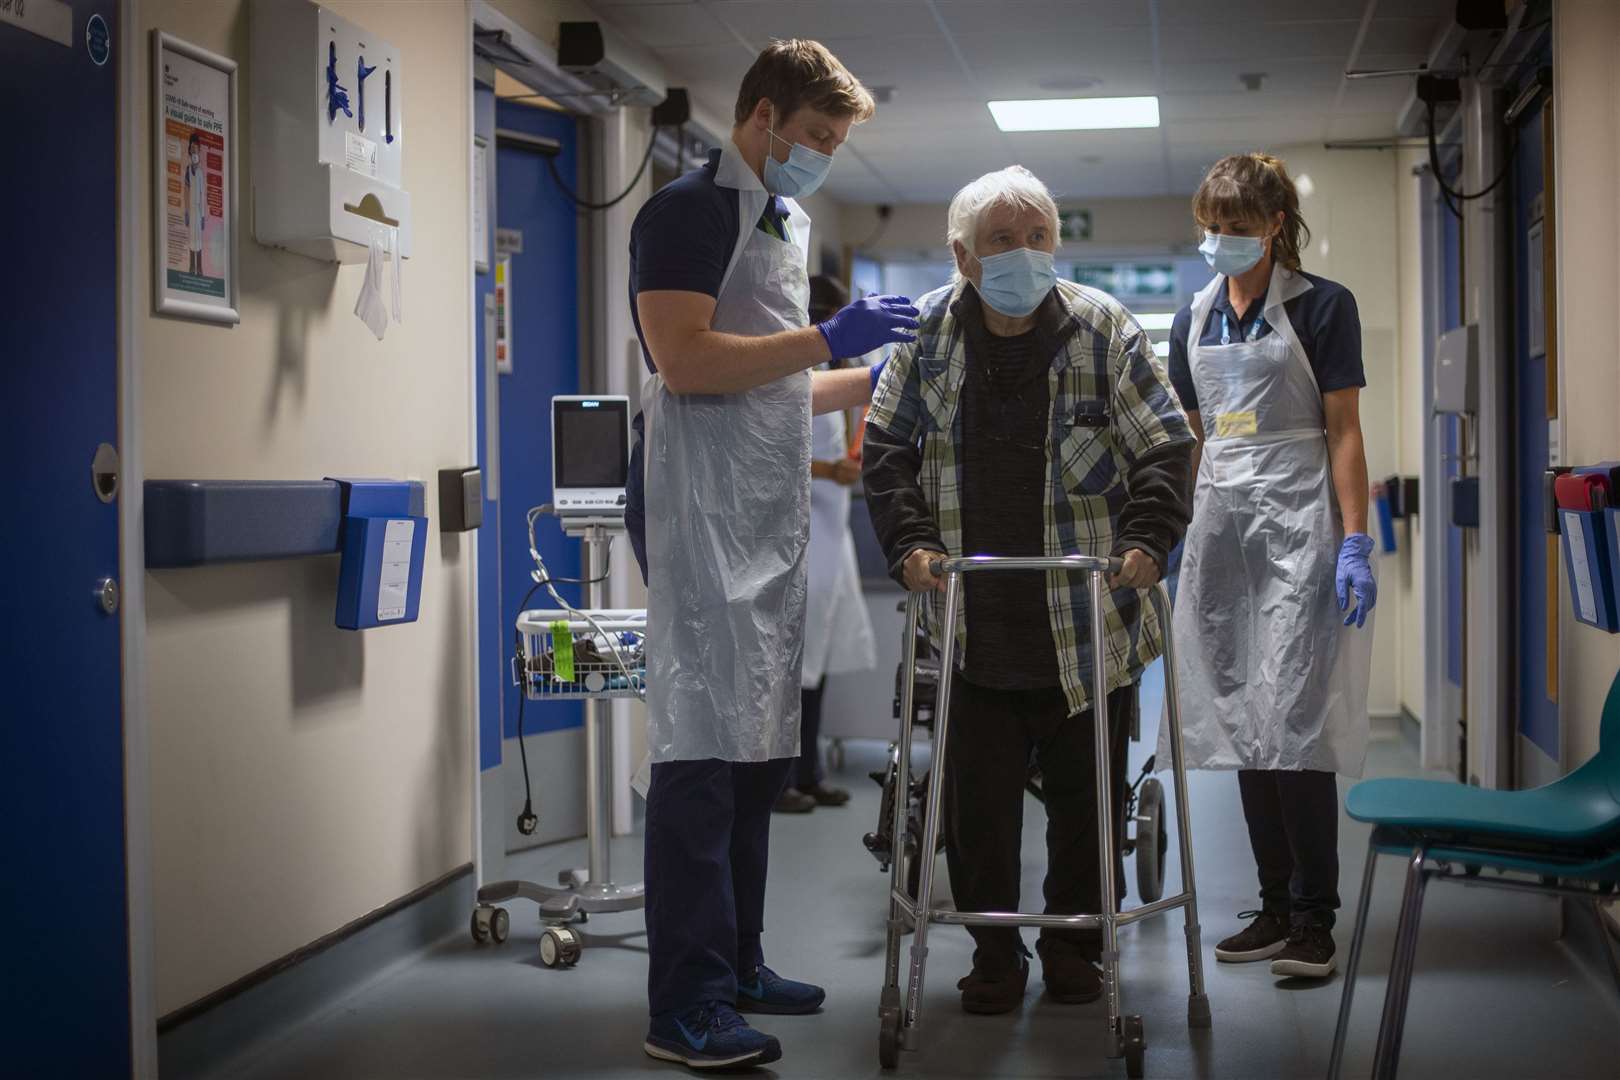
[(1030, 417)]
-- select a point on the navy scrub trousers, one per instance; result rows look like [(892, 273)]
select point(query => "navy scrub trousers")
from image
[(707, 846)]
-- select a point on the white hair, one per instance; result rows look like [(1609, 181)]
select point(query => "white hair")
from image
[(1013, 186)]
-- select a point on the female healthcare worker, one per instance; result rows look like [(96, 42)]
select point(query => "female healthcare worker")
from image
[(837, 630), (1267, 360)]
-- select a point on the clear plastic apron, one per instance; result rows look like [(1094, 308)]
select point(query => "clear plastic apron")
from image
[(728, 516), (837, 629), (1270, 678)]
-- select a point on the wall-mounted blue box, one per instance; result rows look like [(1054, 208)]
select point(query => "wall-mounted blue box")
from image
[(383, 541), (1589, 559)]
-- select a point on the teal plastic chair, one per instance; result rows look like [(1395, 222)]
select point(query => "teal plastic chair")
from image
[(1562, 839)]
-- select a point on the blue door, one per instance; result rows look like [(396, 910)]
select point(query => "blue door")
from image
[(1535, 699), (66, 997), (543, 297)]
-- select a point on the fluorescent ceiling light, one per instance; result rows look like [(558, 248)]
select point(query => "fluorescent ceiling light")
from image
[(1156, 320), (1076, 114)]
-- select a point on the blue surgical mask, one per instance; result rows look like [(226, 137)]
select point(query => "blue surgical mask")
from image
[(1015, 282), (1232, 255), (800, 175)]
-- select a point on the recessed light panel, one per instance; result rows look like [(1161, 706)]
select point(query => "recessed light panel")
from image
[(1076, 114)]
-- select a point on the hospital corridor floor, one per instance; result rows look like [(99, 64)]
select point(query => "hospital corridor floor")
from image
[(1497, 993)]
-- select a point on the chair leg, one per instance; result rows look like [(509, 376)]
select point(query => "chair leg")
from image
[(1596, 908), (1342, 1031), (1386, 1058)]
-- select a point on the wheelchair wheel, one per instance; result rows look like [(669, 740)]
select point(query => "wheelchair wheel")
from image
[(1152, 841)]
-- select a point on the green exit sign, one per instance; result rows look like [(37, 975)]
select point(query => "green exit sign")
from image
[(1129, 279), (1074, 225)]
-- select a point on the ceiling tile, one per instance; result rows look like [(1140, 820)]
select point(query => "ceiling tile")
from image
[(829, 21), (1041, 17)]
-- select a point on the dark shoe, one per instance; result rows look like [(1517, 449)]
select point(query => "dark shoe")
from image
[(794, 801), (767, 992), (1308, 954), (1263, 939), (710, 1036), (827, 796), (1071, 977), (992, 990)]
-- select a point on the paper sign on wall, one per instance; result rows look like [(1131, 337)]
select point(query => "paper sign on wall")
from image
[(508, 241), (503, 314)]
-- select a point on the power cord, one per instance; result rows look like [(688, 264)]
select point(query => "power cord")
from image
[(1432, 90), (584, 204), (528, 821)]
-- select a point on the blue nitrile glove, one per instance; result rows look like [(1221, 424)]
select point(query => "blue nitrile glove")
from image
[(877, 373), (1355, 574), (869, 324)]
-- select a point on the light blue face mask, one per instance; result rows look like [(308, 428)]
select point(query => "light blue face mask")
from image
[(1232, 255), (1015, 282), (800, 175)]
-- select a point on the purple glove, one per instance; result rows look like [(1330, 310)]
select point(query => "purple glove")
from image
[(1355, 575), (869, 324)]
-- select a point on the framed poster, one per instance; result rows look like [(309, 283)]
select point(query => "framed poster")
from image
[(194, 182)]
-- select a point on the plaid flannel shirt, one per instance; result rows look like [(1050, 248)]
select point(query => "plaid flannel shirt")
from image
[(1111, 402)]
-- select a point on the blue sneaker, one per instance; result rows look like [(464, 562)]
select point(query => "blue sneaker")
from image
[(711, 1036), (767, 992)]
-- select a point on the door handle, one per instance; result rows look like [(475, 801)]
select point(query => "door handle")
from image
[(106, 595)]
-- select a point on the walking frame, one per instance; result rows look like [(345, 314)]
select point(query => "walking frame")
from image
[(900, 1015)]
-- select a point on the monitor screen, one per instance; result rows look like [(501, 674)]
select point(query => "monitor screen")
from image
[(591, 439)]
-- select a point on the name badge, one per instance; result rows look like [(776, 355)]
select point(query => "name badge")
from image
[(1234, 425)]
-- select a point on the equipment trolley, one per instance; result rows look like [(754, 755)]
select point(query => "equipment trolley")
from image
[(900, 1013), (594, 654)]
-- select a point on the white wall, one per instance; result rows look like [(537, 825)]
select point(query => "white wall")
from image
[(1586, 103), (303, 776), (1404, 574)]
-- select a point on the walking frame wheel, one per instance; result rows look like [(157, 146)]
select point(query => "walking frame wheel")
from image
[(1135, 1047)]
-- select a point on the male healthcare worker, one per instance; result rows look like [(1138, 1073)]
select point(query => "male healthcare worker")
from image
[(720, 292)]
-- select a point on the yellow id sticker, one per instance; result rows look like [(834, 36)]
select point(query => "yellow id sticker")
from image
[(1234, 424)]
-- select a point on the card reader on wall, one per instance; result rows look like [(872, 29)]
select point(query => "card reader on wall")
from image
[(383, 540)]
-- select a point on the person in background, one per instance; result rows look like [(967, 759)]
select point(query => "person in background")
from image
[(1267, 360), (837, 629), (1030, 418), (720, 296)]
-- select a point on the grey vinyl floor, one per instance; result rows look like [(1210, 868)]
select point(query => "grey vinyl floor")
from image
[(1498, 993)]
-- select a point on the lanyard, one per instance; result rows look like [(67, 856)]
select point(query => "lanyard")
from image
[(1254, 331)]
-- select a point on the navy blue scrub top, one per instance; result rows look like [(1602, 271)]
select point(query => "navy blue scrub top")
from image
[(1325, 319), (682, 239)]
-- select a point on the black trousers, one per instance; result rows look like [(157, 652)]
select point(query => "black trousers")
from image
[(993, 734), (1293, 818), (707, 849), (808, 771)]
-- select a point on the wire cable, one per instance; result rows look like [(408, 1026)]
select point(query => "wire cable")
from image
[(1447, 192), (584, 204)]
